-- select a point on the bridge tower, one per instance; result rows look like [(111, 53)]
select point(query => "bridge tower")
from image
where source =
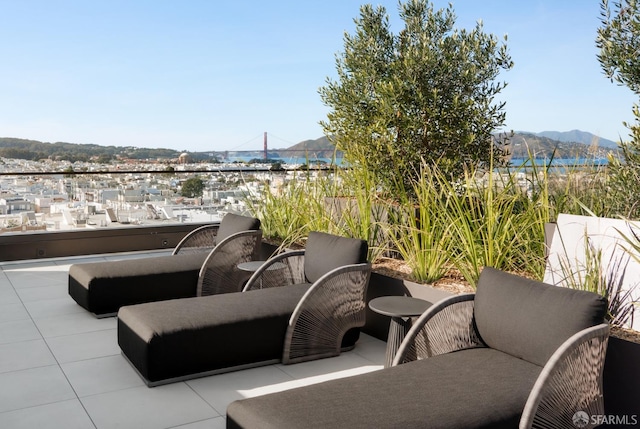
[(265, 146)]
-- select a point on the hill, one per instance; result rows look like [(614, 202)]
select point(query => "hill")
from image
[(36, 150), (571, 144), (318, 148), (577, 136), (522, 143)]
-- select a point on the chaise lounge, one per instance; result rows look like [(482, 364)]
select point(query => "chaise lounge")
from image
[(274, 320), (517, 353), (103, 287)]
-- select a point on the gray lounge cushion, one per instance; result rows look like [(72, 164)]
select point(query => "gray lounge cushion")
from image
[(530, 319), (446, 391), (232, 223), (177, 338), (103, 287), (325, 252)]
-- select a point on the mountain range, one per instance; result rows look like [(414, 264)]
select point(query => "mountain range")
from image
[(546, 144)]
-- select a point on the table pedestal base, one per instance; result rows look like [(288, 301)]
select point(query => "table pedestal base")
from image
[(398, 329)]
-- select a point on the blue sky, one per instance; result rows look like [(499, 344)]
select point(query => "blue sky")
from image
[(203, 75)]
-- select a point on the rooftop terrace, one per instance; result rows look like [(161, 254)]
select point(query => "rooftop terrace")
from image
[(60, 367)]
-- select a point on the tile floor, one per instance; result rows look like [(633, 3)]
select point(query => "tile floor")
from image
[(60, 367)]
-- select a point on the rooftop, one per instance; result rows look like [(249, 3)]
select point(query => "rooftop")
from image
[(60, 367)]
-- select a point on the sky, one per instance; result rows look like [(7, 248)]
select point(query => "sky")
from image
[(200, 75)]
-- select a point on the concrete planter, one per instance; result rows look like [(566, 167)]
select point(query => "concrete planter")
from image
[(622, 379), (381, 285)]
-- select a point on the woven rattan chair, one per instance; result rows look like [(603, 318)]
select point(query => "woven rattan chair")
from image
[(570, 381), (205, 238), (220, 273), (335, 303), (201, 239)]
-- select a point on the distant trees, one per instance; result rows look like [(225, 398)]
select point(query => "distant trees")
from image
[(619, 42), (427, 92), (192, 188)]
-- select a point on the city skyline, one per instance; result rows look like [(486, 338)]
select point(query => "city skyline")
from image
[(201, 76)]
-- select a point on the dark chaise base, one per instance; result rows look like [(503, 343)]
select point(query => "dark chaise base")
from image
[(180, 339), (103, 287)]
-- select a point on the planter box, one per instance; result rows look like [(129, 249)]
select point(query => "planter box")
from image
[(377, 325), (622, 379)]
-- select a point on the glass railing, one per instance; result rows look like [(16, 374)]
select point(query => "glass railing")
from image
[(121, 196)]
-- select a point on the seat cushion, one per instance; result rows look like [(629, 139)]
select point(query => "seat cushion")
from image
[(475, 388), (530, 319), (325, 252), (104, 287), (178, 338), (232, 223)]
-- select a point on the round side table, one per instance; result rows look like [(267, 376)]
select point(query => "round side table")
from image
[(401, 309), (253, 266)]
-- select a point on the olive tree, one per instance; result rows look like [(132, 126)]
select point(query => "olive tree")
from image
[(425, 93), (619, 42)]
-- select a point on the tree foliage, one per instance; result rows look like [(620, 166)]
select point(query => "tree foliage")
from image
[(619, 42), (427, 92), (192, 188)]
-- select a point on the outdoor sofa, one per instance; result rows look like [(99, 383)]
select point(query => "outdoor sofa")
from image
[(103, 287), (300, 305), (518, 353)]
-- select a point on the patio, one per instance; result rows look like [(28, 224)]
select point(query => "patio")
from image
[(60, 367)]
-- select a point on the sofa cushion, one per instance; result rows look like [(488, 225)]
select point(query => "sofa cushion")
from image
[(232, 223), (178, 338), (530, 319), (325, 252), (475, 388), (103, 287)]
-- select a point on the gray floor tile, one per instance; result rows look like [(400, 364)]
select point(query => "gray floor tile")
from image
[(75, 323), (31, 387), (24, 355), (11, 312), (4, 280), (87, 345), (145, 408), (67, 262), (37, 278), (334, 367), (53, 307), (52, 291), (215, 423), (18, 330), (8, 295), (101, 375), (374, 351), (59, 415), (220, 390)]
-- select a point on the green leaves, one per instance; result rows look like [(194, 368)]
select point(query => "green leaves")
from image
[(424, 93), (619, 42), (192, 187)]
